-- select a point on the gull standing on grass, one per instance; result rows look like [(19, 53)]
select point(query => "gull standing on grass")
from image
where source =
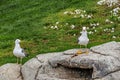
[(18, 51), (83, 39)]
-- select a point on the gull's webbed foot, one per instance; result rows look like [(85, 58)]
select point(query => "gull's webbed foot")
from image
[(79, 52), (87, 52)]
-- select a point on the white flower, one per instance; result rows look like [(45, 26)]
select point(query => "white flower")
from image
[(66, 12), (77, 11), (112, 31), (84, 11), (113, 28), (72, 26), (113, 37), (115, 11), (111, 22), (104, 30), (89, 16), (66, 23), (98, 24), (52, 27), (92, 24), (90, 32), (56, 27), (57, 22), (95, 30), (111, 12), (74, 34), (115, 14), (82, 15), (107, 20), (99, 3)]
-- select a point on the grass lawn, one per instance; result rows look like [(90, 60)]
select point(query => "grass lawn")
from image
[(53, 25)]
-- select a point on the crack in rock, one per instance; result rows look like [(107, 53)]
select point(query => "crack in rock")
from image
[(39, 60), (104, 54), (109, 74), (112, 72), (38, 68), (99, 53), (37, 72), (21, 75)]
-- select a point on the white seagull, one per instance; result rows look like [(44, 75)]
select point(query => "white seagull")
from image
[(18, 51), (83, 39)]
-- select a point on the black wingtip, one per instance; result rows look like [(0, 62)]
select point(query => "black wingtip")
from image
[(26, 55)]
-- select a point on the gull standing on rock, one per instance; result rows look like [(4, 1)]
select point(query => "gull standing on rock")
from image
[(83, 39), (18, 51)]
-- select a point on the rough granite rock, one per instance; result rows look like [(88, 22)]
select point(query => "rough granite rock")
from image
[(39, 69), (10, 72), (103, 59)]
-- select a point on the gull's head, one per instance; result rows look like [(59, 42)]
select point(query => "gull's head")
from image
[(84, 28), (17, 41)]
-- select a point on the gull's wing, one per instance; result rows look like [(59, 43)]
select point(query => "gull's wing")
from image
[(78, 40), (23, 51)]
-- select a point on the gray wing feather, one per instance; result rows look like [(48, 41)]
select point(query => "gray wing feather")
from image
[(23, 51)]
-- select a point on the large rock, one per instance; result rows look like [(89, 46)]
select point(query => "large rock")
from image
[(10, 72), (103, 59), (38, 68)]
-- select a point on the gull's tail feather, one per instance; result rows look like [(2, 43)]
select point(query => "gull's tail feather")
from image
[(26, 54)]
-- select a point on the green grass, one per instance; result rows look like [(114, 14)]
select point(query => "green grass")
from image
[(27, 19)]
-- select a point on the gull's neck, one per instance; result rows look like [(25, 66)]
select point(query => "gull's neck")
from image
[(84, 33), (17, 45)]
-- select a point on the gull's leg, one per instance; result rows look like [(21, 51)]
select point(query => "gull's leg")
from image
[(21, 60), (17, 60), (79, 51), (86, 49), (86, 46)]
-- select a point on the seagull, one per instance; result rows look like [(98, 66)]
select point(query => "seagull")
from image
[(18, 51), (83, 39)]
